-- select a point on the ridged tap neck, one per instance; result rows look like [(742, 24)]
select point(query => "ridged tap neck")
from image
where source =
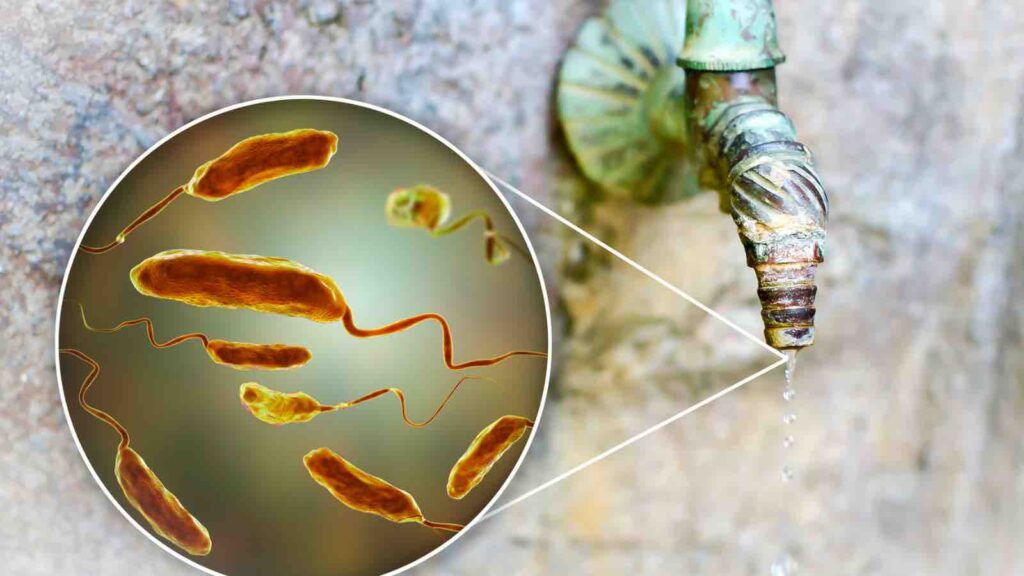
[(730, 36)]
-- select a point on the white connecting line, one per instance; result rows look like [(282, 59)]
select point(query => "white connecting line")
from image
[(633, 439), (635, 266)]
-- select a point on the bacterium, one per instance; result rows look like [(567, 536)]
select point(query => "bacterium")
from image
[(428, 208), (272, 285), (364, 492), (246, 165), (237, 355), (141, 487), (486, 449), (277, 408)]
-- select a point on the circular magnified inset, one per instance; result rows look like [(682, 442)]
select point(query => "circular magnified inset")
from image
[(303, 336)]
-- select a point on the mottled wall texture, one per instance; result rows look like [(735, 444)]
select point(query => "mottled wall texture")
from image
[(910, 438)]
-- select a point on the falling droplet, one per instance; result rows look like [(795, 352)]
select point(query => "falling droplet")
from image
[(787, 473), (790, 364), (784, 566)]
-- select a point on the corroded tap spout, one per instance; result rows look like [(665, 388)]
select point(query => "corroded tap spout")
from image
[(769, 185), (748, 151), (780, 210)]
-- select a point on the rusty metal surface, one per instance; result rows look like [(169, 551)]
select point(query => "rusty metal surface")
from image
[(772, 190), (730, 35), (615, 92), (748, 150)]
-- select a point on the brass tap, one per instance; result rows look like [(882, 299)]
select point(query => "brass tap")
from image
[(748, 150), (640, 129)]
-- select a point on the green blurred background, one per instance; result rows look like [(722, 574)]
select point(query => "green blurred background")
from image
[(242, 478)]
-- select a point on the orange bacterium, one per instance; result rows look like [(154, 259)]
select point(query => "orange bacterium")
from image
[(237, 355), (246, 355), (244, 166), (272, 285), (486, 449), (141, 487), (428, 208), (274, 407), (364, 492)]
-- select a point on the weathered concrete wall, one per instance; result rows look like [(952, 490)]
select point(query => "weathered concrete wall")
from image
[(909, 441)]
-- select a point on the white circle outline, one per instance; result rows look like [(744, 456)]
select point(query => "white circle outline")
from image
[(218, 112)]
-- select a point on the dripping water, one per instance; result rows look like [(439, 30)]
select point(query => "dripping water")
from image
[(789, 418), (785, 565)]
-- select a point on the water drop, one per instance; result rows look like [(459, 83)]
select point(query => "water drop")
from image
[(790, 364), (784, 566)]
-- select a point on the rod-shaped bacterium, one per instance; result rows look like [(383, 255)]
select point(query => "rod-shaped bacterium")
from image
[(486, 449), (277, 408), (244, 166), (260, 283), (142, 488), (249, 356), (158, 505), (428, 208), (364, 492), (237, 355), (272, 285), (260, 159)]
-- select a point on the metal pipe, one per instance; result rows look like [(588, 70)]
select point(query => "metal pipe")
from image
[(748, 150)]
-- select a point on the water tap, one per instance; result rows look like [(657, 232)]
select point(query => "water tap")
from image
[(747, 149), (648, 121)]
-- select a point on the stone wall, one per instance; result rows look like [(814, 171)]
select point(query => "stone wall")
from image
[(909, 438)]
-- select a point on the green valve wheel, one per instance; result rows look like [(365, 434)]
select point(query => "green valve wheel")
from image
[(620, 100)]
